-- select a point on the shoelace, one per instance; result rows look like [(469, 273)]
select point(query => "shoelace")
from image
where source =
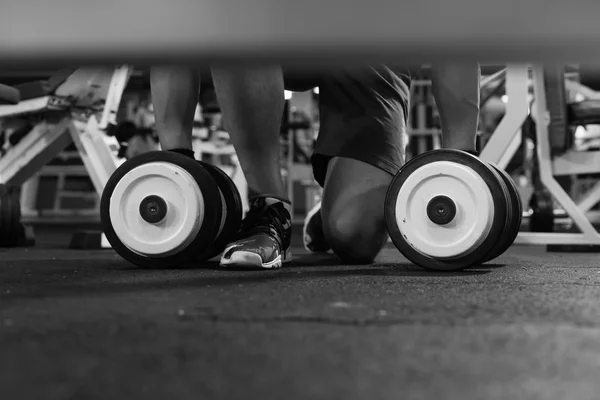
[(264, 219)]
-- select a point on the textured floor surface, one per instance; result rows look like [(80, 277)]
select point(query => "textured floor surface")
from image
[(86, 325)]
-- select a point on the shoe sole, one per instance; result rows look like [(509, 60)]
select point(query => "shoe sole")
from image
[(249, 260)]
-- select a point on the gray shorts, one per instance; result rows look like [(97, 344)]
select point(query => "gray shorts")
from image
[(362, 113)]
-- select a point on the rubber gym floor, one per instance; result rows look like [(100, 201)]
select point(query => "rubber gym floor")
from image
[(87, 325)]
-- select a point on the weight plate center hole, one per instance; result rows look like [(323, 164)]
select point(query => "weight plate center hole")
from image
[(153, 209), (441, 210)]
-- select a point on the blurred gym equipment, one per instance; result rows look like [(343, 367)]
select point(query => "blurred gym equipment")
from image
[(44, 117), (374, 30), (72, 106), (554, 137), (9, 95)]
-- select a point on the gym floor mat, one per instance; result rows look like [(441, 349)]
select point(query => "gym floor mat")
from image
[(86, 324)]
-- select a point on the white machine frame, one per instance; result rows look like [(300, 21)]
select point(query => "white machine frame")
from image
[(506, 139), (78, 123)]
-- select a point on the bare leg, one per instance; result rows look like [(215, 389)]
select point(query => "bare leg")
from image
[(456, 91), (174, 97), (252, 101)]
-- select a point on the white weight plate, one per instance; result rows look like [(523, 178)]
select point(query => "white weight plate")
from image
[(185, 209), (474, 210)]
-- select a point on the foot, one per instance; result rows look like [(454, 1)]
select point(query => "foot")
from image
[(263, 241), (312, 234)]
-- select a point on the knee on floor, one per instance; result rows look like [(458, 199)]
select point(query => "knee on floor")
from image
[(354, 238)]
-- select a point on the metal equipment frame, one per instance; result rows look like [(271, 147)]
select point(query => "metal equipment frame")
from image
[(78, 124), (506, 139)]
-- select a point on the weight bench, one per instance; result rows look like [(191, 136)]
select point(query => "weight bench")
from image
[(36, 96), (554, 139), (586, 112), (9, 95)]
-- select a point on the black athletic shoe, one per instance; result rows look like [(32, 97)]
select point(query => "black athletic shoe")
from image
[(263, 241)]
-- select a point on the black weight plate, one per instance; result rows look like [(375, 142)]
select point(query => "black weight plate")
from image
[(11, 230), (514, 226), (501, 205), (542, 211), (5, 218), (212, 212), (573, 248), (15, 231), (9, 218), (479, 167), (232, 211), (501, 241), (3, 222)]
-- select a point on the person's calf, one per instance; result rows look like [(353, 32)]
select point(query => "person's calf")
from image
[(252, 101), (174, 98)]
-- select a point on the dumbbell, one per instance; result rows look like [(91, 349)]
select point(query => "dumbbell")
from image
[(514, 216), (163, 209), (12, 231), (447, 210)]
